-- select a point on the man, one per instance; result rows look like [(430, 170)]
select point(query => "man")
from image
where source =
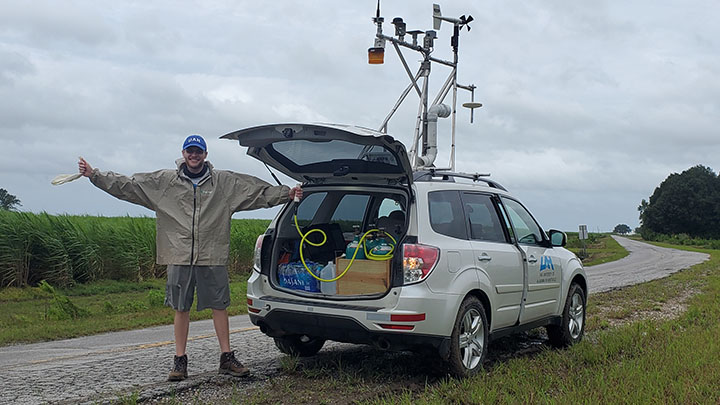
[(193, 206)]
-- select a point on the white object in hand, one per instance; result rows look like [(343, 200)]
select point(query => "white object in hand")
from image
[(297, 199), (65, 178)]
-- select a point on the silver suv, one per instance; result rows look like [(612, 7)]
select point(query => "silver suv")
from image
[(378, 254)]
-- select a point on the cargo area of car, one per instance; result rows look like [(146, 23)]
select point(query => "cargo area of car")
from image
[(351, 236)]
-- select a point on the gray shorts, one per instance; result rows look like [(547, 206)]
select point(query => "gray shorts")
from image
[(213, 287)]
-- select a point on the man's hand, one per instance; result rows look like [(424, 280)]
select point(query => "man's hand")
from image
[(85, 168), (296, 193)]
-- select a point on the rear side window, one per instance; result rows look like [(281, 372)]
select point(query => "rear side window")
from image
[(350, 211), (389, 205), (446, 214), (483, 218), (308, 207)]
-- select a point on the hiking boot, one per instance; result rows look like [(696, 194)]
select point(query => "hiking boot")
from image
[(230, 365), (179, 371)]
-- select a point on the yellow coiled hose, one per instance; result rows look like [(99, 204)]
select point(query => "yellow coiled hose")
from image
[(369, 255)]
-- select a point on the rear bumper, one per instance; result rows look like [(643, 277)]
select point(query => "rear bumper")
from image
[(281, 322)]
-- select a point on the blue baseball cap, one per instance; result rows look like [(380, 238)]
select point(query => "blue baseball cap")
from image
[(195, 140)]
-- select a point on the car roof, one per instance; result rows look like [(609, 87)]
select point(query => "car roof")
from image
[(461, 186)]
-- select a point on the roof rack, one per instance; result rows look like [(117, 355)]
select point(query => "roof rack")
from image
[(429, 175)]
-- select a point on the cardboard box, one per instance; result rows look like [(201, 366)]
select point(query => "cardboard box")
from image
[(363, 277)]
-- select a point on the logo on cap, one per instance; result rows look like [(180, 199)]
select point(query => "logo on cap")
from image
[(195, 140)]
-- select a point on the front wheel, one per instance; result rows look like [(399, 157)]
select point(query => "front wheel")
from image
[(572, 326), (299, 345), (469, 339)]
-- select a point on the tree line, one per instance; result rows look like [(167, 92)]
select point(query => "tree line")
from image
[(686, 203), (8, 201)]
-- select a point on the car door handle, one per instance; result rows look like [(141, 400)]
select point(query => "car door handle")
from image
[(532, 259), (484, 257)]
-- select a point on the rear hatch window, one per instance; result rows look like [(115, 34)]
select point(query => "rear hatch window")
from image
[(328, 153)]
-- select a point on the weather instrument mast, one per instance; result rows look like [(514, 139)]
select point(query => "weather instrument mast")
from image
[(424, 147)]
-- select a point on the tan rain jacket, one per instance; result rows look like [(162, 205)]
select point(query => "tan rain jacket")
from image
[(193, 223)]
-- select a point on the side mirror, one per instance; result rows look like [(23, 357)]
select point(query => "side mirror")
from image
[(557, 238)]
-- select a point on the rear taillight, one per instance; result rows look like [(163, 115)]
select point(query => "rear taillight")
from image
[(418, 261), (257, 254), (250, 307)]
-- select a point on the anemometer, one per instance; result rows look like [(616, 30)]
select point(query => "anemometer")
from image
[(423, 149)]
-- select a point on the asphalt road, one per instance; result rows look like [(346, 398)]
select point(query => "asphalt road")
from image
[(644, 263), (101, 368)]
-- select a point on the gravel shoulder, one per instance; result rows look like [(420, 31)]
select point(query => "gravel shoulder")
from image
[(101, 368)]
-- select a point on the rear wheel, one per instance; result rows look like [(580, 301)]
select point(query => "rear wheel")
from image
[(468, 344), (299, 345), (572, 326)]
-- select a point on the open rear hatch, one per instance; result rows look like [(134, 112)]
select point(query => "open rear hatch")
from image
[(358, 185), (328, 153)]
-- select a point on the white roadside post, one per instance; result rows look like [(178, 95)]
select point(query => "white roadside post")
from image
[(582, 235)]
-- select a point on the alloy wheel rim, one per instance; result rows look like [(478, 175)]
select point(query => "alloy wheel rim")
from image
[(575, 323), (471, 339)]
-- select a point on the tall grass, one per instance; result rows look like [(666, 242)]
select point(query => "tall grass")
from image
[(681, 239), (65, 250), (243, 234)]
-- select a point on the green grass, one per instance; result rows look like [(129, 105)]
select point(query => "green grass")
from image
[(36, 314), (599, 248), (640, 363)]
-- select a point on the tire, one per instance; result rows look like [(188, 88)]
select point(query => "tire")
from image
[(296, 345), (572, 326), (469, 339)]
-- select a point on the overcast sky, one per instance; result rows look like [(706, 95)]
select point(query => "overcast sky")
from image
[(588, 106)]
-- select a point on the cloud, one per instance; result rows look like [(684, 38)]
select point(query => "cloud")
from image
[(43, 23), (586, 107)]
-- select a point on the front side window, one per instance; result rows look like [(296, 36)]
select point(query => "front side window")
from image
[(446, 214), (483, 218), (528, 231)]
